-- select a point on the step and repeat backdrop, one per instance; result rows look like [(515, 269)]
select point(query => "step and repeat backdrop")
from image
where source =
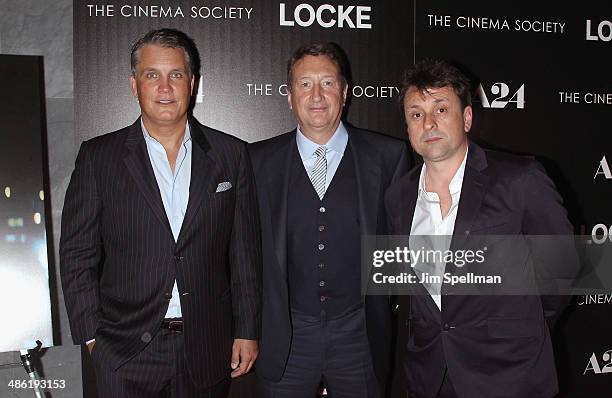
[(542, 82)]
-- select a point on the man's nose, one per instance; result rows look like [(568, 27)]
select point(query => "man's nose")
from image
[(429, 121), (316, 93), (164, 85)]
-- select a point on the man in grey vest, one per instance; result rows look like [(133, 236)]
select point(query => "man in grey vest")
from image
[(320, 188)]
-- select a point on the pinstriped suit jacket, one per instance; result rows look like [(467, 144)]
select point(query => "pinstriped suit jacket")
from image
[(119, 258)]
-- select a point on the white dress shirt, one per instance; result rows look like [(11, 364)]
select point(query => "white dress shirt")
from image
[(174, 190), (428, 221), (335, 150)]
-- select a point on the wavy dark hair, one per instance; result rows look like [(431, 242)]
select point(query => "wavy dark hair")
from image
[(436, 73)]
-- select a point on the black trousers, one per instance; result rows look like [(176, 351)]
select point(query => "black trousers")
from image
[(331, 352), (157, 371), (446, 389)]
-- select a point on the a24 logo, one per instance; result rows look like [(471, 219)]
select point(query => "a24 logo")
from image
[(499, 96), (595, 367)]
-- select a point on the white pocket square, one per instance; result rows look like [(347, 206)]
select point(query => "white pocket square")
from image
[(223, 186)]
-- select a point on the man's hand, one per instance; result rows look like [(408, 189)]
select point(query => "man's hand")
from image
[(244, 353), (90, 346)]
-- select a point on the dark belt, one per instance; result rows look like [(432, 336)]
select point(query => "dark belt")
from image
[(173, 324)]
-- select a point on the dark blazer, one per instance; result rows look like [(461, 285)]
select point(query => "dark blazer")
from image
[(378, 160), (119, 258), (493, 346)]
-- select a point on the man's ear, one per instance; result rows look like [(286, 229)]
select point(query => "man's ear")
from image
[(133, 86), (467, 118), (289, 99)]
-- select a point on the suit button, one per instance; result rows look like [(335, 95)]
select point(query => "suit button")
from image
[(146, 337), (321, 209), (323, 298), (321, 228), (446, 327), (321, 246), (322, 283)]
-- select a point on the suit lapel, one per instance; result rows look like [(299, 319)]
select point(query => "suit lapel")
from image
[(204, 165), (138, 164), (472, 192), (278, 174), (367, 174)]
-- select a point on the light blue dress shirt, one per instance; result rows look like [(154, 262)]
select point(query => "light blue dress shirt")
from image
[(174, 190), (335, 150)]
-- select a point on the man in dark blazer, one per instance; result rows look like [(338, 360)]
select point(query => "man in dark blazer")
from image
[(471, 345), (320, 189), (160, 247)]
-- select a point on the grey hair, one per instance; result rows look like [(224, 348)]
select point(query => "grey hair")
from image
[(171, 38)]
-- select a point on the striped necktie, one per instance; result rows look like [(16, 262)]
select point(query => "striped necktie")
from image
[(319, 172)]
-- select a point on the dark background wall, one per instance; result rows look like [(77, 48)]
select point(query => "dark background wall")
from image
[(243, 61), (537, 76)]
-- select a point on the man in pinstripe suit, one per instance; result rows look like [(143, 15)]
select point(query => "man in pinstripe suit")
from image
[(160, 248)]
